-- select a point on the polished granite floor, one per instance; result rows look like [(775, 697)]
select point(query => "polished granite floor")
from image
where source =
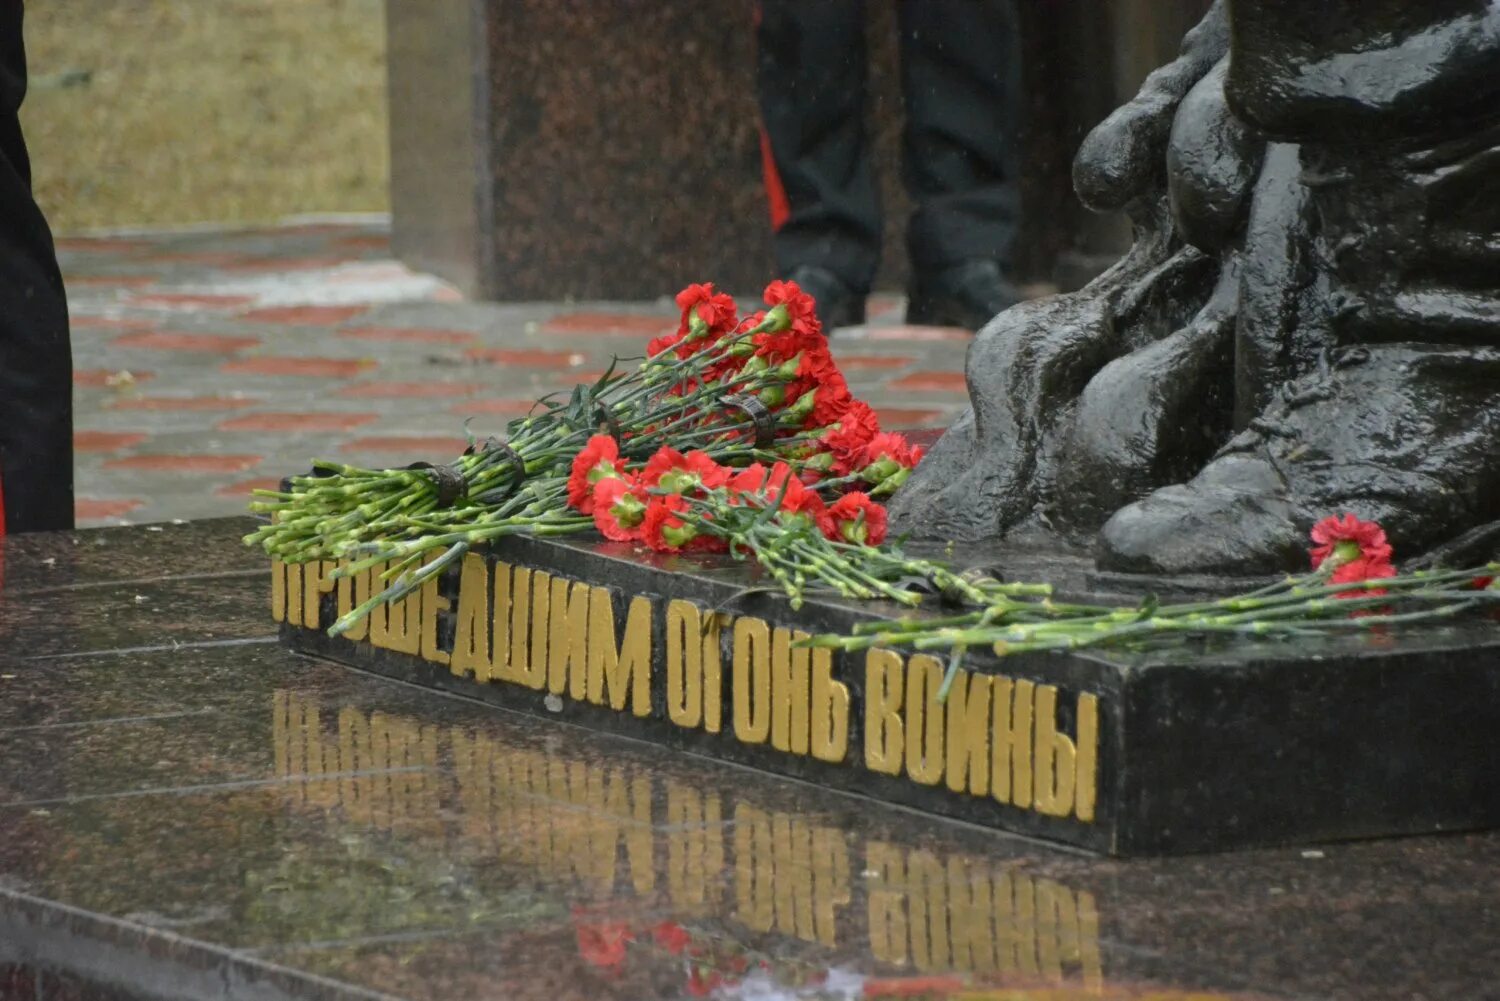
[(188, 811)]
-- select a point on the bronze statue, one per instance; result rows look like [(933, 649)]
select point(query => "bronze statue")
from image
[(1307, 324)]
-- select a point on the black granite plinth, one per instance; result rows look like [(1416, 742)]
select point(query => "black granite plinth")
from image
[(1202, 747)]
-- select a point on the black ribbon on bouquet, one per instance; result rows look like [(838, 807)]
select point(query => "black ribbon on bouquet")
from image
[(492, 444), (450, 482), (760, 416), (608, 424)]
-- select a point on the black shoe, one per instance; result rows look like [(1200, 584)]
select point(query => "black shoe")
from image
[(967, 295), (838, 305)]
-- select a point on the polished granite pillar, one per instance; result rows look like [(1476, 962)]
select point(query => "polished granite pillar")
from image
[(546, 149), (188, 810)]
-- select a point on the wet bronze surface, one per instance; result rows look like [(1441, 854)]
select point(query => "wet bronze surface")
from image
[(1306, 324), (186, 810)]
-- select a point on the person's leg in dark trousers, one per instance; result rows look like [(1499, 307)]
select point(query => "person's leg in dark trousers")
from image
[(36, 387), (960, 72), (811, 82)]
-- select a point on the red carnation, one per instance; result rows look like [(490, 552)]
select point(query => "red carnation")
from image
[(848, 437), (671, 471), (779, 487), (657, 345), (619, 508), (856, 518), (751, 480), (799, 307), (829, 403), (672, 936), (599, 459), (889, 447), (888, 461), (702, 981), (1358, 570), (817, 374), (1348, 539), (706, 316), (1354, 551), (602, 943), (662, 528)]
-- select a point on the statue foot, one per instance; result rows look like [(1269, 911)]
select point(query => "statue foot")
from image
[(1398, 434), (1233, 519)]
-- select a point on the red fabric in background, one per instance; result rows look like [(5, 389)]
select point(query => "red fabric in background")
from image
[(775, 191)]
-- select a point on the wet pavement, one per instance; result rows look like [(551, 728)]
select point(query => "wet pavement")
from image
[(187, 810)]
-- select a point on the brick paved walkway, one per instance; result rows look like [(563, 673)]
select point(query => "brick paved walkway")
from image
[(209, 362)]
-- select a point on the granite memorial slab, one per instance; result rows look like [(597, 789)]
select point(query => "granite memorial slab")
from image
[(1204, 747)]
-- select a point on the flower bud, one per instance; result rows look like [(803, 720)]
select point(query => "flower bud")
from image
[(880, 470), (679, 536), (697, 326), (1346, 551), (788, 369), (855, 530), (629, 511), (603, 471), (803, 408), (678, 481), (773, 396), (890, 484), (820, 463), (778, 318)]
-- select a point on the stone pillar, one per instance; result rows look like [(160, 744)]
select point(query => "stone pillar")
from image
[(437, 69)]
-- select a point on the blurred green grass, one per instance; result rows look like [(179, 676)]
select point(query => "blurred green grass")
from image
[(149, 112)]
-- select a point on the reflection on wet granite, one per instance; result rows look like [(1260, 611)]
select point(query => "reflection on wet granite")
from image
[(288, 826)]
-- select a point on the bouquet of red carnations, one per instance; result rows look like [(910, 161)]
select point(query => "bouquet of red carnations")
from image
[(735, 435)]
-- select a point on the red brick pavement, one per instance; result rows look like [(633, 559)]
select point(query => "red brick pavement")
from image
[(182, 403), (165, 340), (278, 422), (621, 324), (190, 299), (947, 381), (492, 406), (95, 509), (186, 463), (527, 358), (305, 316), (104, 377), (418, 446), (315, 368), (105, 441), (411, 390), (409, 335), (240, 490)]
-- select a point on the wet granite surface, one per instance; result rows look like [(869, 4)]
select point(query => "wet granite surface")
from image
[(186, 810)]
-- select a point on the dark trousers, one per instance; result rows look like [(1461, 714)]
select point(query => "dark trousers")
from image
[(36, 367), (960, 79)]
